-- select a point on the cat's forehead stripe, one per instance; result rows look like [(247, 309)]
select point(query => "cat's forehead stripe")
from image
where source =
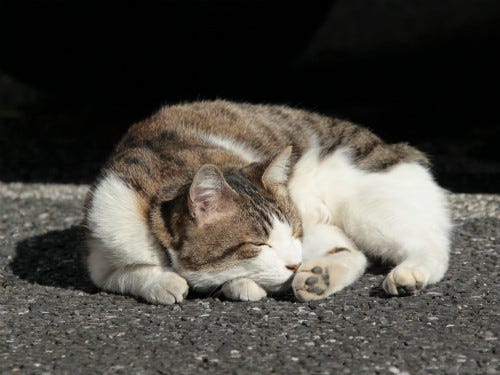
[(260, 209)]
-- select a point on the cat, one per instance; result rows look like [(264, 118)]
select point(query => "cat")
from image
[(253, 199)]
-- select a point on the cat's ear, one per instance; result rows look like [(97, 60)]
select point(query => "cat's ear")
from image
[(276, 172), (210, 196)]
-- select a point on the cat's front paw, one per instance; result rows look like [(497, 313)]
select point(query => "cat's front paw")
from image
[(404, 280), (169, 288), (318, 279), (243, 290)]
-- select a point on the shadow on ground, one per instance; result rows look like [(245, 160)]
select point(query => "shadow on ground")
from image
[(54, 259)]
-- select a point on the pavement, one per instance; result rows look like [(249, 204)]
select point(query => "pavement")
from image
[(53, 321)]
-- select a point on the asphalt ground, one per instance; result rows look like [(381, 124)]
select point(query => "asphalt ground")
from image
[(53, 321)]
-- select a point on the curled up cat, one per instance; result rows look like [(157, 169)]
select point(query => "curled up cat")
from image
[(256, 199)]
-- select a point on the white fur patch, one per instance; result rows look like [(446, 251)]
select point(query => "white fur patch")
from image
[(397, 215), (287, 247), (237, 147), (323, 237), (119, 230)]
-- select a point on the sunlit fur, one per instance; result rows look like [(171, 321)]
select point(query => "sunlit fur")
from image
[(208, 195)]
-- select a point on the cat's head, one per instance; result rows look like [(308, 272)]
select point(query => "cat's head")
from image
[(238, 224)]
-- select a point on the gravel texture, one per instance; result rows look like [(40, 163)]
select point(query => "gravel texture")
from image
[(53, 321)]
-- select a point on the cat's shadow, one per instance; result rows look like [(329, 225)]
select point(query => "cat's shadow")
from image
[(376, 267), (54, 259)]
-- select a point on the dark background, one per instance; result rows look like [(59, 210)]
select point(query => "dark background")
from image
[(74, 75)]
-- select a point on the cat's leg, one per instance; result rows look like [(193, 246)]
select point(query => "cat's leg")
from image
[(243, 289), (401, 217), (331, 262), (124, 257), (153, 283)]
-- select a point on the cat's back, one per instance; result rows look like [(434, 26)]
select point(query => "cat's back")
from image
[(174, 142), (260, 126)]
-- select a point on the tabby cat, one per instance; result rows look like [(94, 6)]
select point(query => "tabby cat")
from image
[(254, 199)]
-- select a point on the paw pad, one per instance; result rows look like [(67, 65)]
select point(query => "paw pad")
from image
[(317, 270), (317, 284), (311, 284), (311, 280)]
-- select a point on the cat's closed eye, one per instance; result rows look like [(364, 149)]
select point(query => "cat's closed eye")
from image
[(259, 244)]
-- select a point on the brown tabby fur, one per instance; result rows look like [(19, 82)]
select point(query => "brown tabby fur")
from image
[(159, 157)]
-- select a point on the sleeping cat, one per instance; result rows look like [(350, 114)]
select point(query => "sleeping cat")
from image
[(254, 199)]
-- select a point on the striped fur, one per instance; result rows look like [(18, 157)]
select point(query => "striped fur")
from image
[(222, 191)]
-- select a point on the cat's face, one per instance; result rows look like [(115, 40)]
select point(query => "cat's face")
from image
[(239, 225)]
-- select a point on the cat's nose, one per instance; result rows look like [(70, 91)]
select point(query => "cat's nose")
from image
[(294, 267)]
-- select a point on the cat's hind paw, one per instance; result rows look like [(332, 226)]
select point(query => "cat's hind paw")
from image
[(404, 280), (243, 290), (169, 289)]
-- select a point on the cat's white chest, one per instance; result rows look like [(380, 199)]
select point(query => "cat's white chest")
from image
[(321, 186)]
